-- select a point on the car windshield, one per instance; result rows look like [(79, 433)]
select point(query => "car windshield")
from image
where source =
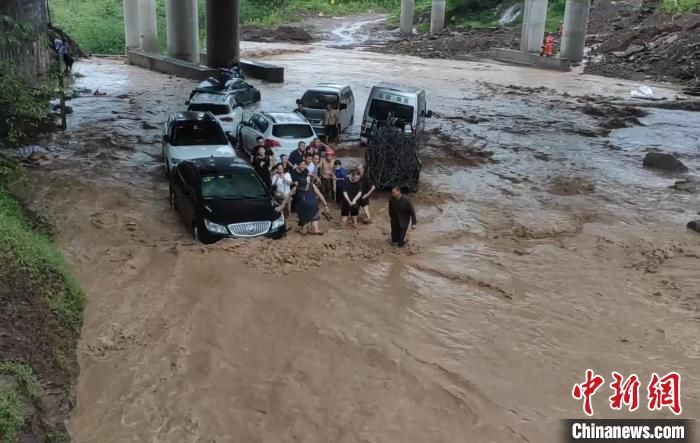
[(292, 131), (198, 133), (380, 109), (210, 107), (238, 186), (236, 84), (319, 100)]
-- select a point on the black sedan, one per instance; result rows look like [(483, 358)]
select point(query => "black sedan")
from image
[(224, 197)]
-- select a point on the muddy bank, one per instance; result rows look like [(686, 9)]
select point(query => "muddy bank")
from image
[(285, 34), (637, 40), (451, 43), (40, 318)]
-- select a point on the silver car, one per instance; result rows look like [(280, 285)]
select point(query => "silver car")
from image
[(282, 132)]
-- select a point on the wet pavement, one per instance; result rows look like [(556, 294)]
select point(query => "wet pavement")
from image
[(558, 254)]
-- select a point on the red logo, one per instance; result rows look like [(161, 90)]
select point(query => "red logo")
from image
[(587, 389), (626, 392), (662, 392), (665, 392)]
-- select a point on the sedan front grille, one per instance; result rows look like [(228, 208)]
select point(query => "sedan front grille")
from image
[(250, 229)]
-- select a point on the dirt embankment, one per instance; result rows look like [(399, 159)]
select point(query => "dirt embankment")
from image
[(458, 43), (285, 34), (637, 40)]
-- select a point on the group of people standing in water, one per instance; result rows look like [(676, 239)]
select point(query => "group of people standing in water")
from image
[(310, 178)]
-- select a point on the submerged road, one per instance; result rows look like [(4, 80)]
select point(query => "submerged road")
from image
[(558, 254)]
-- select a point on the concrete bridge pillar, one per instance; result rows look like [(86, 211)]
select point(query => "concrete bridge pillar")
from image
[(182, 19), (223, 32), (148, 26), (573, 42), (407, 8), (437, 16), (534, 22), (132, 35)]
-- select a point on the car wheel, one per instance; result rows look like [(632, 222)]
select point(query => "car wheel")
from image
[(200, 234)]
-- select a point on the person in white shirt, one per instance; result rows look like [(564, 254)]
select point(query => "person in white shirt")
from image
[(311, 166), (282, 183)]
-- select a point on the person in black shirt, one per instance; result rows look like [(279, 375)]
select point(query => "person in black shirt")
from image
[(351, 197), (402, 214), (261, 163), (300, 108), (298, 156), (288, 168), (367, 188)]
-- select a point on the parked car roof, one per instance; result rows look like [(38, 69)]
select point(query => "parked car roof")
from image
[(205, 97), (222, 165), (330, 87), (398, 87), (285, 117), (183, 116)]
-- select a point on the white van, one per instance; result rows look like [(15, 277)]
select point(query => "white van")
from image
[(406, 103), (340, 97)]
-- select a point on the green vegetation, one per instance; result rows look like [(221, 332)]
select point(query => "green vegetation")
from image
[(12, 400), (23, 106), (11, 414), (24, 375), (680, 6), (34, 253)]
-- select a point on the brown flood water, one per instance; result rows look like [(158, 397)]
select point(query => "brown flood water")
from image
[(516, 281)]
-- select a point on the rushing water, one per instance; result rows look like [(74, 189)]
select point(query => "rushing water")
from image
[(561, 255), (511, 14)]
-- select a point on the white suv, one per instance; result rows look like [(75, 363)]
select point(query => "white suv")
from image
[(192, 135), (282, 132), (224, 108)]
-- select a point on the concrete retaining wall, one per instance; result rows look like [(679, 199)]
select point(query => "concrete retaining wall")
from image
[(529, 59), (167, 65)]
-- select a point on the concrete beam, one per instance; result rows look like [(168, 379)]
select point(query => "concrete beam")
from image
[(182, 19), (530, 59), (168, 65), (223, 32), (132, 34), (407, 8), (437, 16), (573, 42), (534, 22), (148, 26)]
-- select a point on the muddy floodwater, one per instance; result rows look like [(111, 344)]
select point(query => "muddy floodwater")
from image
[(543, 249)]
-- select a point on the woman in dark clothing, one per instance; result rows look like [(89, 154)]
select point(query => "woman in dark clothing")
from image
[(352, 192), (261, 163), (306, 196)]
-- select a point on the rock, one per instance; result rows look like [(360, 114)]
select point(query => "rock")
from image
[(694, 225), (685, 186), (634, 49), (146, 125), (666, 162)]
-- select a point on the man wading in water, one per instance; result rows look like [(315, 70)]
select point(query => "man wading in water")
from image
[(401, 213)]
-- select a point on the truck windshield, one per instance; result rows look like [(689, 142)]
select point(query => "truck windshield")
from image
[(232, 187), (197, 134), (213, 108), (319, 100), (380, 109)]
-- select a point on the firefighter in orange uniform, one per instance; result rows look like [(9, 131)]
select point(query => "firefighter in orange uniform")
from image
[(548, 48)]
